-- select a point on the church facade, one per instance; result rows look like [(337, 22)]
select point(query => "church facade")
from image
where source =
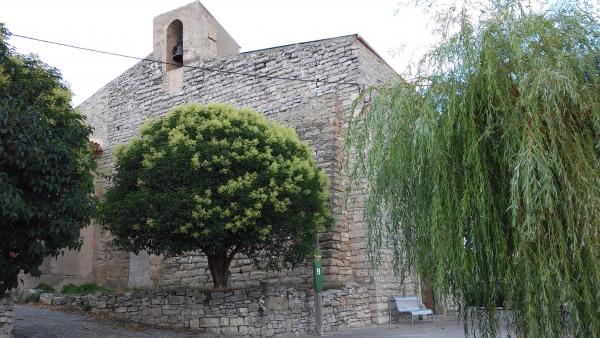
[(205, 66)]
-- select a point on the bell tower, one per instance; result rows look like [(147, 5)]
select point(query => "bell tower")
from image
[(184, 36), (189, 34)]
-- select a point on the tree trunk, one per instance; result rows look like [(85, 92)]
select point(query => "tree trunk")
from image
[(218, 263)]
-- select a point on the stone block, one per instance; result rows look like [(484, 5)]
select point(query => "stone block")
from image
[(236, 321), (217, 295), (46, 298), (214, 330), (243, 330), (230, 330), (250, 320), (209, 322), (156, 312), (176, 300), (58, 300), (277, 303)]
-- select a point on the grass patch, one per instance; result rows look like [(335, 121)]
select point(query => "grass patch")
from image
[(34, 298), (83, 289), (43, 287)]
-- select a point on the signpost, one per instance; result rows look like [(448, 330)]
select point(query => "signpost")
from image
[(318, 284), (318, 273)]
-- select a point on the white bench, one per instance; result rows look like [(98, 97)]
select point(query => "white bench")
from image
[(411, 305)]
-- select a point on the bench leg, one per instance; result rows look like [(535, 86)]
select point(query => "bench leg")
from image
[(389, 312), (412, 319)]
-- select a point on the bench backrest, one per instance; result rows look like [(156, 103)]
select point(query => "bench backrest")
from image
[(407, 303)]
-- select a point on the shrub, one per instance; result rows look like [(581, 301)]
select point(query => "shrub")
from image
[(43, 287), (83, 289)]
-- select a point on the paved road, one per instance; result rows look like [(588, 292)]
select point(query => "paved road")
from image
[(426, 329), (33, 322)]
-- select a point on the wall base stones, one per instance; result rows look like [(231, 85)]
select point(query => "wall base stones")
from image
[(261, 311), (6, 317)]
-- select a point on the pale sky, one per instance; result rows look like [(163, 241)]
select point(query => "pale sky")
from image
[(398, 33)]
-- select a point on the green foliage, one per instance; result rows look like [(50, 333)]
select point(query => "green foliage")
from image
[(43, 287), (46, 182), (483, 172), (220, 180), (33, 298), (83, 289)]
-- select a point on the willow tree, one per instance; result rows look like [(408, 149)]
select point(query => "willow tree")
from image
[(483, 171)]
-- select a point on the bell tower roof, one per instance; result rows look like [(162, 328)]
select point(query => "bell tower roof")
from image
[(201, 34)]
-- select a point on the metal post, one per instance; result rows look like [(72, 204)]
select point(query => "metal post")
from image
[(318, 314), (390, 310), (318, 304)]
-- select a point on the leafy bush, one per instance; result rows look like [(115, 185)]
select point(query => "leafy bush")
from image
[(43, 287), (34, 298), (83, 289)]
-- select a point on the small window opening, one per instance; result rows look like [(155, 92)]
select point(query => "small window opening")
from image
[(174, 46)]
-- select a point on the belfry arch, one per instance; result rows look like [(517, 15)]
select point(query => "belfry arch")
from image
[(174, 45)]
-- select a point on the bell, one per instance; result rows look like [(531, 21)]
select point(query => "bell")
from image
[(178, 52)]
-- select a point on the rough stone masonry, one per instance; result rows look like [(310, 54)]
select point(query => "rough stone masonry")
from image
[(6, 317), (264, 311), (214, 71)]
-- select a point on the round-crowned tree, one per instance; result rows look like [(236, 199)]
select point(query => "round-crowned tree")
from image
[(219, 180), (46, 183)]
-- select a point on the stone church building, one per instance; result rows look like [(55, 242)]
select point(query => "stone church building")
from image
[(211, 69)]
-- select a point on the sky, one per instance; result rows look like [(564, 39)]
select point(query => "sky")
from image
[(399, 33)]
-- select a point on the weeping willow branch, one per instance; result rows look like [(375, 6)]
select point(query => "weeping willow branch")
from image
[(483, 172)]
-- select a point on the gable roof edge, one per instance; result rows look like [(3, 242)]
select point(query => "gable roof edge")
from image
[(366, 44)]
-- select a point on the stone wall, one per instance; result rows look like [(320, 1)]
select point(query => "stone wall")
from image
[(314, 110), (6, 317), (319, 112), (192, 270), (265, 310), (381, 279), (110, 266)]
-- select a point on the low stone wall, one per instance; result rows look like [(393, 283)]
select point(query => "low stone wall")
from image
[(265, 311), (191, 270), (6, 317)]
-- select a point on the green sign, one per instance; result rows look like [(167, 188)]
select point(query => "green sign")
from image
[(318, 273)]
